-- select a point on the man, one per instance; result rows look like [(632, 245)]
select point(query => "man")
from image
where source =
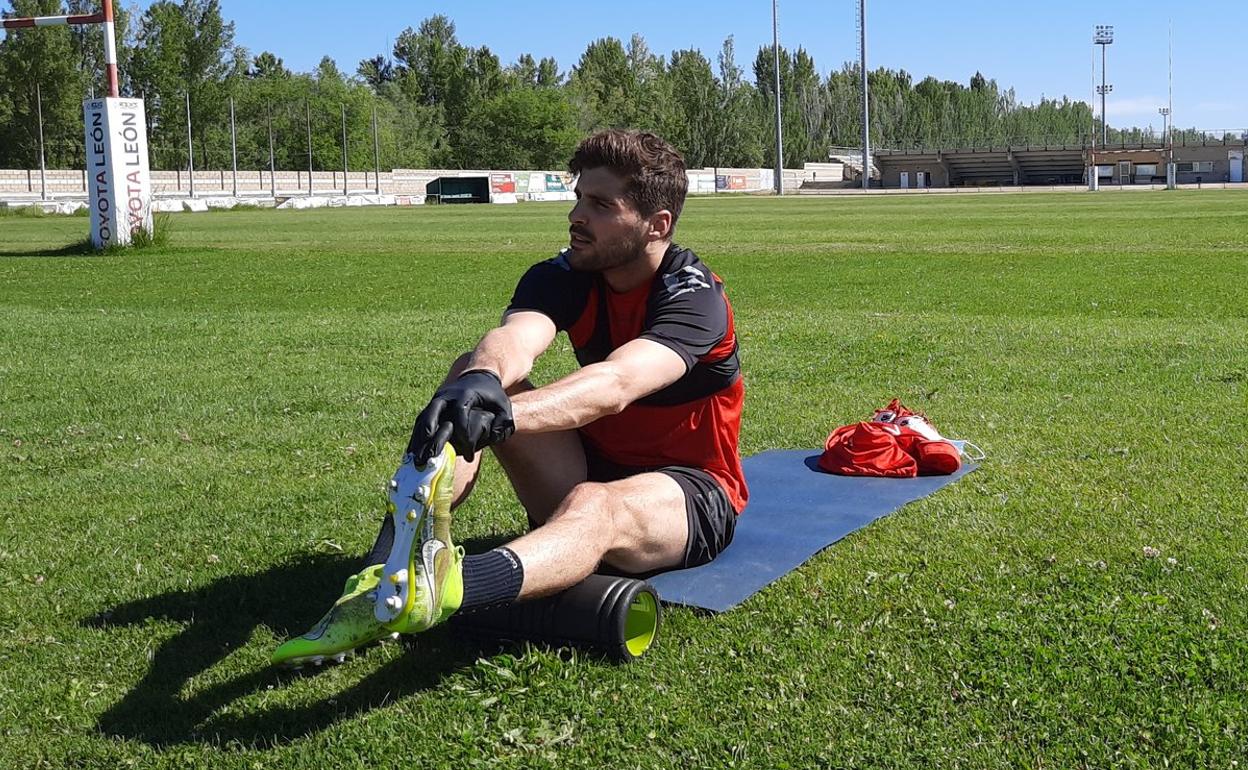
[(630, 463)]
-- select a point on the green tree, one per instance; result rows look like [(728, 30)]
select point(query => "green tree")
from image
[(736, 138), (765, 81), (548, 75), (690, 120), (527, 128), (649, 97), (524, 72), (268, 65), (186, 48), (440, 102), (603, 85), (377, 72), (806, 112), (527, 72), (42, 57), (431, 58)]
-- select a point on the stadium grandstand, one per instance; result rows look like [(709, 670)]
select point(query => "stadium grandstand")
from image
[(1210, 161)]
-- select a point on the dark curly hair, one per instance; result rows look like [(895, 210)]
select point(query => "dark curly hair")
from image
[(653, 171)]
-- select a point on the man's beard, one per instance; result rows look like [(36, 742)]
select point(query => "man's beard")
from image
[(605, 256)]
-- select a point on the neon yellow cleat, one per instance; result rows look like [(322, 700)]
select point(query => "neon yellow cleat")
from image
[(349, 624), (422, 582)]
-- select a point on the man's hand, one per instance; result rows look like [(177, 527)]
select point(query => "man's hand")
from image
[(472, 412)]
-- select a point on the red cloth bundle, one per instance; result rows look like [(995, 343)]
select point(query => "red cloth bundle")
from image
[(896, 443)]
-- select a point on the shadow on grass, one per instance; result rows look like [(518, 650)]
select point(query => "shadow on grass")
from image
[(219, 619), (141, 240), (82, 248)]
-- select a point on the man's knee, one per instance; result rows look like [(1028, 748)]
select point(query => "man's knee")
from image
[(590, 501)]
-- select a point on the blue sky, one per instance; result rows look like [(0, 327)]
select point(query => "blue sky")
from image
[(1038, 48)]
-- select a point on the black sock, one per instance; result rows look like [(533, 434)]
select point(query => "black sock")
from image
[(381, 549), (491, 579)]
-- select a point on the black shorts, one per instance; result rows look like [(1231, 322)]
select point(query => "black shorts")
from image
[(712, 519)]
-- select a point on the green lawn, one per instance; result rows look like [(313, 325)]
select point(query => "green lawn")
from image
[(194, 439)]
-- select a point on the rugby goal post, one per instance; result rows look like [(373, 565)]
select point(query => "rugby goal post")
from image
[(119, 187)]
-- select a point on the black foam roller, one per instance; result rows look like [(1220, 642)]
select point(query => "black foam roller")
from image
[(618, 616)]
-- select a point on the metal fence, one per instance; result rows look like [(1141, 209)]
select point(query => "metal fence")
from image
[(315, 146), (305, 147)]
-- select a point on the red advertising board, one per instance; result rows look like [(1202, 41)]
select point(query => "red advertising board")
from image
[(502, 183)]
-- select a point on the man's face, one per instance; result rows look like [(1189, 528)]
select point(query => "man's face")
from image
[(605, 228)]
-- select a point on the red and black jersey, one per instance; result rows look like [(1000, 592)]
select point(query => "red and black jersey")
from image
[(694, 421)]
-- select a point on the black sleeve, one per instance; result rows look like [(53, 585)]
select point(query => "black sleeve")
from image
[(553, 289), (688, 313)]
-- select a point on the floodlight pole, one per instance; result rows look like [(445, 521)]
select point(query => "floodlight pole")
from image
[(1170, 180), (1103, 37), (1104, 93), (1093, 179), (775, 47)]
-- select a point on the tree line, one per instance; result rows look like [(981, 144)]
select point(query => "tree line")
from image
[(438, 102)]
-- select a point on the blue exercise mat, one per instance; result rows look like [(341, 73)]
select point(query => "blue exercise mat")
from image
[(795, 511)]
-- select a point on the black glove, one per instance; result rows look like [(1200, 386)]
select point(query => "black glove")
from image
[(472, 412)]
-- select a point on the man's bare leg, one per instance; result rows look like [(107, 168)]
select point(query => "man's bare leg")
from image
[(542, 467), (637, 524)]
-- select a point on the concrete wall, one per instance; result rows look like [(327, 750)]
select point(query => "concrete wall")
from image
[(217, 182), (61, 182), (258, 182)]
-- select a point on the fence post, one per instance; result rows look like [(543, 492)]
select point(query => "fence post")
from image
[(233, 146), (376, 155), (43, 179), (308, 113), (345, 167), (272, 180), (190, 146)]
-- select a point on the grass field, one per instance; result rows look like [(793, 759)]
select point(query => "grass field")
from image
[(193, 441)]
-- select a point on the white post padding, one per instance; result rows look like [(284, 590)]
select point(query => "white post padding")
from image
[(118, 178), (110, 44)]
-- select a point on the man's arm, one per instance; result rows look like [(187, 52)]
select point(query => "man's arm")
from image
[(472, 411), (510, 349), (633, 371)]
